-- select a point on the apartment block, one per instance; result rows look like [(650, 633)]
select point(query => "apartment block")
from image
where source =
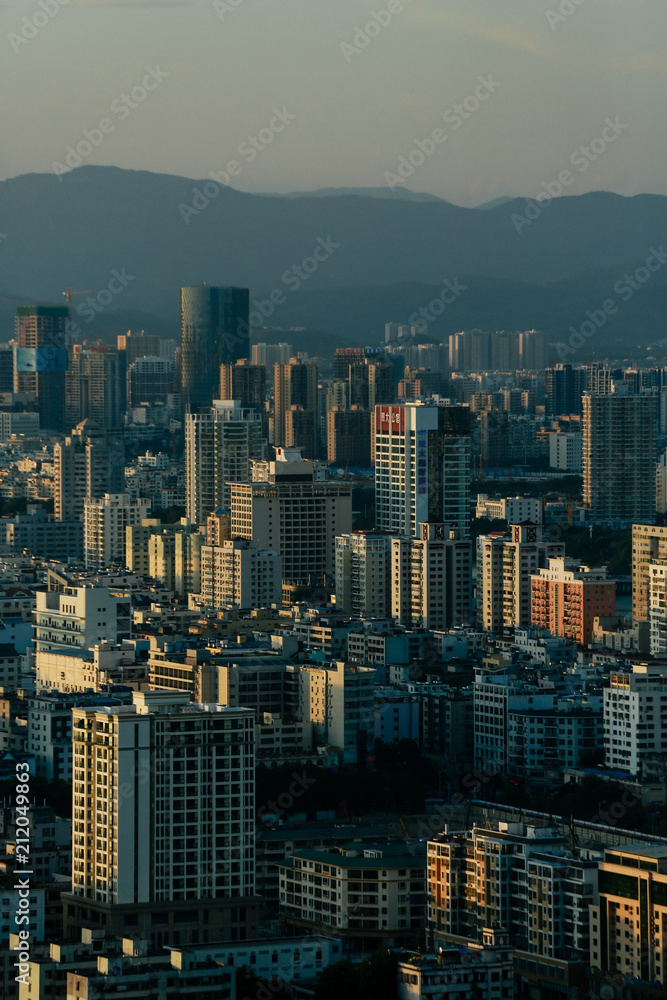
[(431, 578), (238, 574), (104, 527), (363, 574), (77, 618), (566, 597), (370, 895), (163, 820), (514, 510), (478, 971), (221, 441), (505, 564), (649, 547), (635, 716)]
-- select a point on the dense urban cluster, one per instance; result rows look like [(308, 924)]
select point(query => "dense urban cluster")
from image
[(316, 659)]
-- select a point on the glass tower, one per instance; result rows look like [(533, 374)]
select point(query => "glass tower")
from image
[(214, 331)]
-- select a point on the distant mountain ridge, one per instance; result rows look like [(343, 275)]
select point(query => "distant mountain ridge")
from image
[(387, 256)]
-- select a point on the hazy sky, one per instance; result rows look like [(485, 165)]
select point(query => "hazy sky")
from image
[(555, 78)]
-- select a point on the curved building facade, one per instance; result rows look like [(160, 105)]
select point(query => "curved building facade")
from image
[(214, 331)]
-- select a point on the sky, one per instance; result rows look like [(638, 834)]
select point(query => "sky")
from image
[(295, 95)]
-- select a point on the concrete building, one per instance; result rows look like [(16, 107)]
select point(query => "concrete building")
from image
[(480, 971), (151, 380), (628, 916), (634, 704), (338, 698), (104, 525), (43, 535), (175, 857), (77, 618), (61, 671), (542, 743), (649, 547), (294, 516), (521, 878), (431, 578), (498, 691), (94, 386), (369, 895), (619, 452), (295, 392), (566, 451), (86, 466), (220, 443), (514, 510), (422, 467), (349, 437), (19, 424), (363, 574), (238, 574), (566, 597), (505, 563)]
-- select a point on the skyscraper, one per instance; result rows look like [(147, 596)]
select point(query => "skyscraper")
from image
[(40, 360), (214, 331), (220, 442), (422, 467), (163, 820), (620, 455), (295, 385), (86, 465), (564, 387), (94, 386)]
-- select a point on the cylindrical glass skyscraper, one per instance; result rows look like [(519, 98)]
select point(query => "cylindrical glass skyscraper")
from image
[(214, 331)]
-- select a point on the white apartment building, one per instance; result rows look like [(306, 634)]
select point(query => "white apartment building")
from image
[(635, 705), (505, 563), (514, 510), (83, 669), (431, 578), (75, 618), (238, 574), (339, 699), (298, 520), (372, 892), (220, 444), (476, 971), (363, 574), (104, 523), (422, 466), (566, 451), (657, 609), (163, 812)]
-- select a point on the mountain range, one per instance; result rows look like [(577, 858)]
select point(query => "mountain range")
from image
[(340, 263)]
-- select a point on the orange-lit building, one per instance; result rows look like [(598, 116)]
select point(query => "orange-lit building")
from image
[(567, 596)]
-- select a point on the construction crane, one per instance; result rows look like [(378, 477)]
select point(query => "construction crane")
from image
[(69, 293)]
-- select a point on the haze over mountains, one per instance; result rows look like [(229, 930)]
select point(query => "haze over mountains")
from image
[(384, 257)]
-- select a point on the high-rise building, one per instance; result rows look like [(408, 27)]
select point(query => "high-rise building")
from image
[(431, 578), (532, 350), (163, 825), (564, 387), (138, 345), (349, 437), (422, 467), (237, 574), (635, 716), (72, 619), (619, 456), (215, 330), (566, 597), (649, 548), (221, 441), (294, 516), (87, 464), (363, 574), (469, 351), (505, 563), (104, 523), (151, 380), (40, 360), (271, 354), (94, 386), (6, 368), (295, 385), (244, 382)]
